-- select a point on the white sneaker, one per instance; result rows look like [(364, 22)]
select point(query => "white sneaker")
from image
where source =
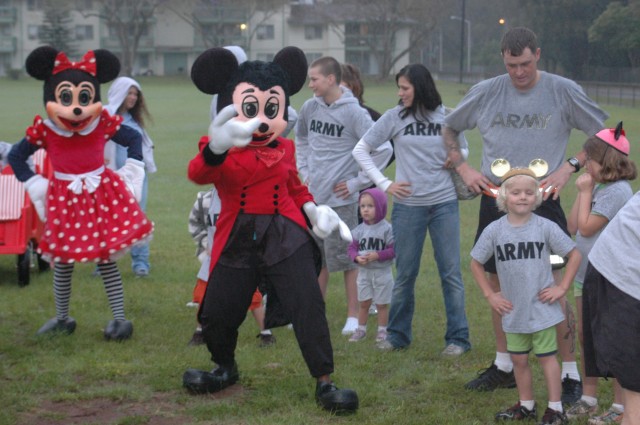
[(373, 310), (358, 335), (453, 350), (350, 326)]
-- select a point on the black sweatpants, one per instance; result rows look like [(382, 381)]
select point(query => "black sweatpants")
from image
[(295, 283)]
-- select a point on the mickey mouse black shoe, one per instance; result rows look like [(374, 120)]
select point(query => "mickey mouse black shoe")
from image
[(339, 402), (202, 382)]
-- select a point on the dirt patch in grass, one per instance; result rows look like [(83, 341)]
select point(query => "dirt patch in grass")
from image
[(159, 409)]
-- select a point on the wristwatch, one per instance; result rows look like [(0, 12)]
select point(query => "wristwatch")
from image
[(574, 163)]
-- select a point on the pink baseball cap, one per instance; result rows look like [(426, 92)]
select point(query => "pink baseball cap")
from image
[(615, 137)]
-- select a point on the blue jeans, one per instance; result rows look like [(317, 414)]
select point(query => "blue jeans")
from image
[(410, 226), (139, 253)]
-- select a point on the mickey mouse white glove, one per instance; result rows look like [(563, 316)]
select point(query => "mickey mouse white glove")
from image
[(325, 220), (132, 173), (226, 132), (37, 189)]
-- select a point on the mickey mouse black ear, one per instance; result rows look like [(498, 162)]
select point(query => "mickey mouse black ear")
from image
[(213, 69), (294, 63), (618, 131)]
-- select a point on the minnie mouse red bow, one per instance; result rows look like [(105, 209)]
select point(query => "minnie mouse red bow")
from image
[(87, 64)]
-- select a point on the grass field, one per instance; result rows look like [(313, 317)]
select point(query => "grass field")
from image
[(81, 379)]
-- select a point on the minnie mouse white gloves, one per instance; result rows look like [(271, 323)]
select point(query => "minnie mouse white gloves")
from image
[(325, 220), (37, 189), (226, 132)]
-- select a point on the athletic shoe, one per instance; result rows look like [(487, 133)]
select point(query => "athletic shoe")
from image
[(358, 335), (611, 416), (266, 340), (581, 409), (381, 335), (571, 391), (141, 272), (517, 412), (385, 345), (350, 326), (373, 310), (453, 350), (553, 417), (491, 378)]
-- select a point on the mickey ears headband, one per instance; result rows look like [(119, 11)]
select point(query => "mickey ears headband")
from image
[(616, 138)]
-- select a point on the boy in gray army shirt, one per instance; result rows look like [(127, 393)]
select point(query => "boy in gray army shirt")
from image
[(522, 243)]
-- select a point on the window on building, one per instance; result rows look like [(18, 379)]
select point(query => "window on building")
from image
[(84, 4), (34, 31), (312, 32), (35, 4), (312, 56), (265, 57), (143, 60), (265, 32), (84, 32)]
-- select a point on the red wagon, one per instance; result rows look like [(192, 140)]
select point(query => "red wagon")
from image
[(20, 226)]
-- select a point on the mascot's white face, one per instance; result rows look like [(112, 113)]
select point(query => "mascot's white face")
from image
[(269, 106)]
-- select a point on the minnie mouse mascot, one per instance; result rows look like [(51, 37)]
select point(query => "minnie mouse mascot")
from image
[(262, 231), (90, 211)]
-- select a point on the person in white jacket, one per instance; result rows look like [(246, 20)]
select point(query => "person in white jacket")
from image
[(126, 99)]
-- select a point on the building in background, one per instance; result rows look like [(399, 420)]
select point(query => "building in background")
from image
[(176, 32)]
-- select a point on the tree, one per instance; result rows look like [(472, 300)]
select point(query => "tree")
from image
[(56, 29), (224, 17), (617, 31), (128, 21), (379, 24)]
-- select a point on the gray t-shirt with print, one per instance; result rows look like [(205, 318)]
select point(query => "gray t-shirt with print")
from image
[(524, 269), (606, 201), (615, 253), (521, 126)]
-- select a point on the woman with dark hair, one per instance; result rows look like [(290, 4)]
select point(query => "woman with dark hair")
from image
[(425, 201)]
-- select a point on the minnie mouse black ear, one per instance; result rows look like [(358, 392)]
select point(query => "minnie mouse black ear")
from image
[(212, 70), (107, 65), (618, 132), (40, 62), (294, 62)]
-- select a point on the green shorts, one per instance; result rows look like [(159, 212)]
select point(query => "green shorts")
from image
[(577, 289), (543, 342)]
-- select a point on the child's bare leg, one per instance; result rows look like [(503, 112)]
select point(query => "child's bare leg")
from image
[(522, 372), (383, 314), (363, 312), (551, 370), (631, 407)]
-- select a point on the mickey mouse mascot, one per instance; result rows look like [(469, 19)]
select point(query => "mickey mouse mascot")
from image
[(261, 233), (90, 211)]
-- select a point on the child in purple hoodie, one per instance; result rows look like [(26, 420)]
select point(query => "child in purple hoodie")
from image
[(372, 249)]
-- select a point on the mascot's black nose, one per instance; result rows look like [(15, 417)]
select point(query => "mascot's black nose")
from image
[(77, 111), (263, 127)]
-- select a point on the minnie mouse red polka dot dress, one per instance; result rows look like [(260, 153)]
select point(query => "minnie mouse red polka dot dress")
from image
[(91, 215)]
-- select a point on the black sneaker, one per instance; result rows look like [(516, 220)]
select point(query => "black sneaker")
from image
[(553, 417), (491, 378), (571, 390), (517, 412), (266, 340)]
